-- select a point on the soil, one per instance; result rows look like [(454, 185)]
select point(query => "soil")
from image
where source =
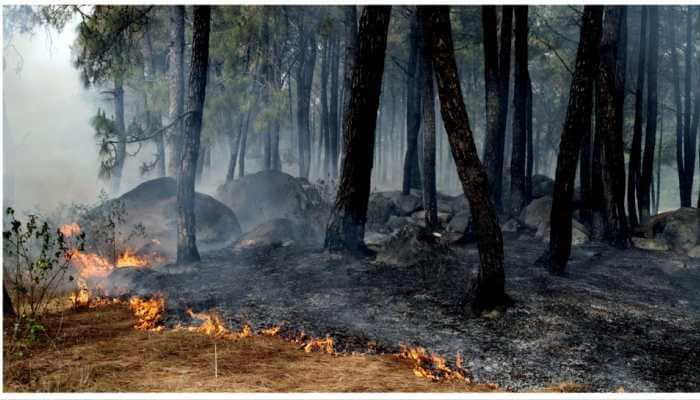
[(619, 318)]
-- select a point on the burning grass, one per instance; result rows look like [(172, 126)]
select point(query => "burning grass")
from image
[(98, 349)]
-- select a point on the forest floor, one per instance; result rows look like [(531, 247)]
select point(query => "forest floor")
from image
[(619, 319), (98, 350)]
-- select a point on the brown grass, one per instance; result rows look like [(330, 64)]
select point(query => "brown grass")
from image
[(97, 350)]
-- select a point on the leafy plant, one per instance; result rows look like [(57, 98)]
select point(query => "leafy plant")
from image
[(40, 256)]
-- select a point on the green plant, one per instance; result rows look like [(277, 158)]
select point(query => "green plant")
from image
[(40, 256)]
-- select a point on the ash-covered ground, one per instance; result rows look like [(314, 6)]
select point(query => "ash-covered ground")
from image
[(619, 318)]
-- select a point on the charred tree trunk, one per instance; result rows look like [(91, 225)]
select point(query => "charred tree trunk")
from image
[(350, 22), (610, 96), (490, 291), (176, 85), (410, 165), (577, 127), (518, 197), (346, 228), (7, 309), (646, 175), (634, 171), (497, 78), (186, 240), (120, 153), (305, 74), (427, 127), (689, 136)]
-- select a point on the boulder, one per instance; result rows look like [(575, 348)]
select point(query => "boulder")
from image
[(274, 233), (443, 217), (413, 245), (152, 206), (380, 208), (511, 226), (694, 252), (537, 212), (680, 229), (650, 244), (396, 223), (579, 233), (459, 222), (376, 239), (270, 195), (542, 185)]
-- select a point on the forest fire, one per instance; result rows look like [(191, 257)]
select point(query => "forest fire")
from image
[(213, 325), (69, 230), (149, 313), (326, 345), (433, 367)]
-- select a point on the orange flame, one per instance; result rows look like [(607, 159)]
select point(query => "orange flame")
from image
[(433, 367), (213, 325), (148, 312), (70, 229), (326, 345), (80, 298), (271, 331)]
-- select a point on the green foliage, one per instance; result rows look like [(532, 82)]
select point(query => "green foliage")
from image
[(106, 136), (36, 259)]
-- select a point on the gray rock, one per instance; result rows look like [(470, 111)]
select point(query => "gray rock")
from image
[(679, 228), (276, 232), (459, 222), (268, 195), (650, 244)]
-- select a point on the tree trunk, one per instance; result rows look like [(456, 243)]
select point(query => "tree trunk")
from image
[(490, 291), (160, 148), (518, 191), (350, 23), (325, 117), (427, 127), (689, 139), (646, 175), (186, 240), (413, 109), (610, 96), (176, 85), (497, 78), (680, 162), (234, 146), (120, 154), (530, 145), (346, 228), (333, 106), (7, 309), (636, 150), (577, 127), (305, 73)]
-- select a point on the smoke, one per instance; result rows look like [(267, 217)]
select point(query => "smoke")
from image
[(49, 152)]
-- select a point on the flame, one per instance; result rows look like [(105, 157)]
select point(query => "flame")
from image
[(70, 229), (433, 367), (323, 345), (271, 331), (80, 298), (129, 259), (213, 325), (148, 312)]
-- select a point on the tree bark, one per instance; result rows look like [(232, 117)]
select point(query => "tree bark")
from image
[(234, 147), (120, 154), (413, 110), (333, 106), (518, 198), (497, 78), (530, 145), (7, 309), (490, 291), (325, 112), (689, 139), (186, 239), (577, 126), (634, 171), (176, 85), (646, 175), (427, 127), (350, 22), (305, 73), (346, 228), (610, 96)]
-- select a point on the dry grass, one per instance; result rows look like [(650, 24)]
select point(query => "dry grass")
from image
[(97, 350)]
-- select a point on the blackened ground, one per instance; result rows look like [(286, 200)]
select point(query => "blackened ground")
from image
[(620, 318)]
